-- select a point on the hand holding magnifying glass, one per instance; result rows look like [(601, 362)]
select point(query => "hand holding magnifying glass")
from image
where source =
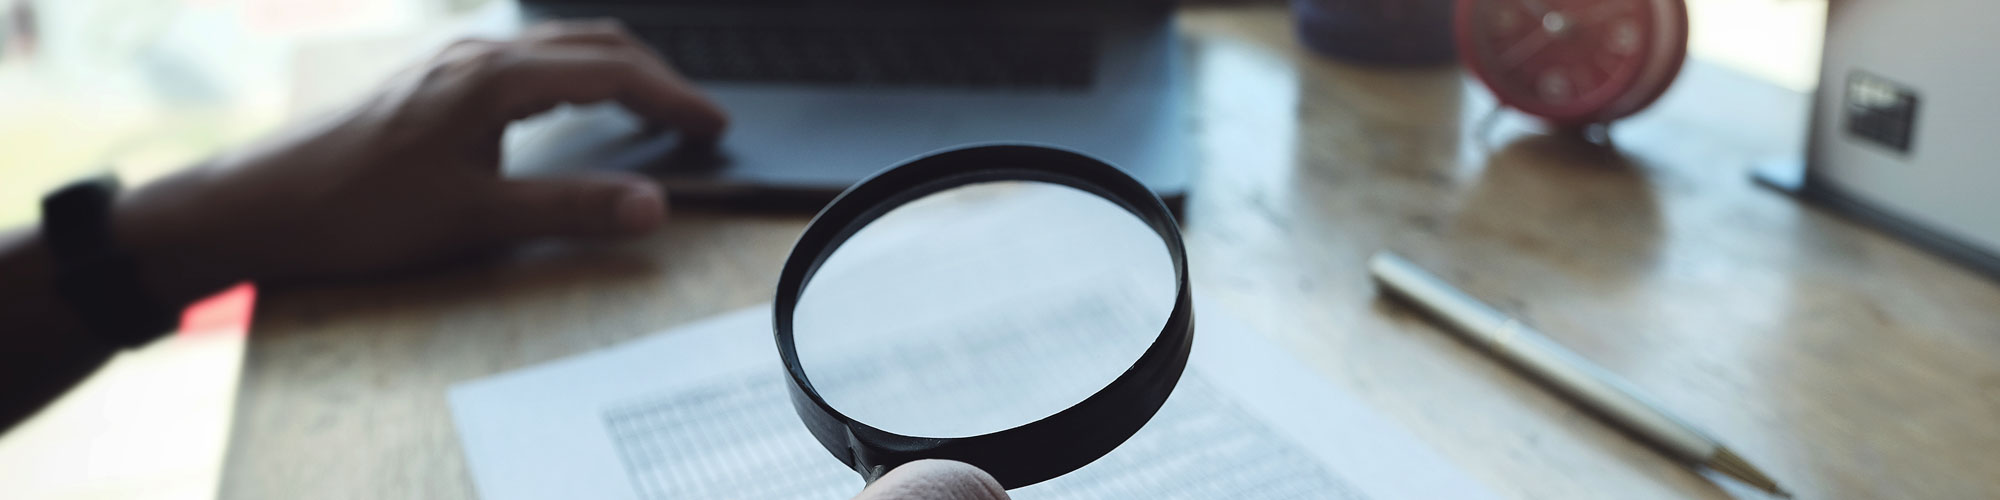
[(934, 480)]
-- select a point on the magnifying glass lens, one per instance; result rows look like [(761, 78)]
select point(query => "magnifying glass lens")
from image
[(982, 308)]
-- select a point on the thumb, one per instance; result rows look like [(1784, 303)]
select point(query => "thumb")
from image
[(596, 205), (934, 480)]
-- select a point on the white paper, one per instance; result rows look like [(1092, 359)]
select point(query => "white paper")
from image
[(700, 412)]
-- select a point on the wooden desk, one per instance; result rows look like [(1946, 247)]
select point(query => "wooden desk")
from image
[(1845, 363)]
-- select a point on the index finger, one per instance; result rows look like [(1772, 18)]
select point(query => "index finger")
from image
[(530, 80), (934, 479)]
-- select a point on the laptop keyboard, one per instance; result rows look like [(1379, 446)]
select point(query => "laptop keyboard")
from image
[(913, 57)]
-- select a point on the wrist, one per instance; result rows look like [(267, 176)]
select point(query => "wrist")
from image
[(177, 243), (31, 283)]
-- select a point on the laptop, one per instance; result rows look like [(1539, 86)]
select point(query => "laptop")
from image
[(822, 93)]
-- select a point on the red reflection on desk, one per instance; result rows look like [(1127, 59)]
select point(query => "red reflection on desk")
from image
[(226, 313)]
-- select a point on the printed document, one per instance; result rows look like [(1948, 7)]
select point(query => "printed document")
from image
[(701, 411)]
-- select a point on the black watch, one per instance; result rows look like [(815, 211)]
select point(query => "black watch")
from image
[(97, 279)]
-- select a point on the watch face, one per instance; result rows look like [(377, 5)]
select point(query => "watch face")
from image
[(1574, 61), (76, 218)]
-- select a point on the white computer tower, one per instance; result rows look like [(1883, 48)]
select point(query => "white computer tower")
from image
[(1906, 122)]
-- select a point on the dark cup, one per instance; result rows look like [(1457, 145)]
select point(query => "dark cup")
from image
[(1384, 32)]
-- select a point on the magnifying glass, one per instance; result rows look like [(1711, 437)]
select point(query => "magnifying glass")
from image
[(1019, 308)]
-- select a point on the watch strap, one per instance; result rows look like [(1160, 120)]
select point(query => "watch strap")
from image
[(97, 279)]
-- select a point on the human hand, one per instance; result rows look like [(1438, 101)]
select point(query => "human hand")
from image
[(411, 174), (934, 480)]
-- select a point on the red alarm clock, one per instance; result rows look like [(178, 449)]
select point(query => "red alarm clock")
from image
[(1574, 62)]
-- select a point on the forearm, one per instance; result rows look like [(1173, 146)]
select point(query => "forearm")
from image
[(43, 348)]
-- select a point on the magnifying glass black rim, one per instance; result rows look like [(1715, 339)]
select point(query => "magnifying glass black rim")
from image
[(1033, 452)]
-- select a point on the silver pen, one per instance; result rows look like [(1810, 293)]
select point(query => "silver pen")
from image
[(1582, 381)]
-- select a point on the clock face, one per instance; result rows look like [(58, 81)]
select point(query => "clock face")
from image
[(1574, 61)]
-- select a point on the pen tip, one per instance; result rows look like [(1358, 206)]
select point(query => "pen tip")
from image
[(1728, 463)]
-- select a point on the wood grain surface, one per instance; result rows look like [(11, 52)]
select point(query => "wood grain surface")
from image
[(1846, 364)]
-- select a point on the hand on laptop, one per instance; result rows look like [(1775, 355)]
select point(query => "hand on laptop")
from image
[(934, 480), (411, 173)]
